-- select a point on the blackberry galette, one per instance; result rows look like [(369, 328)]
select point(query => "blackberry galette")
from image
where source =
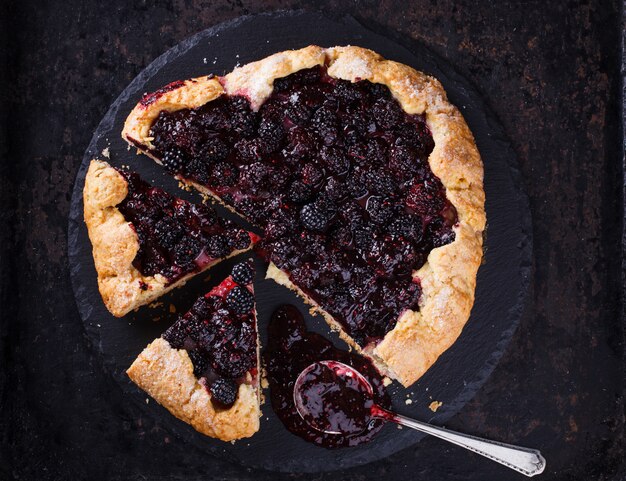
[(146, 241), (205, 367), (365, 179)]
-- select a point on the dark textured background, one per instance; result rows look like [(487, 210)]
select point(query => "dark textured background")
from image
[(551, 73)]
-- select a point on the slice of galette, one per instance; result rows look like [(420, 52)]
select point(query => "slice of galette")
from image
[(365, 179), (146, 241), (204, 369)]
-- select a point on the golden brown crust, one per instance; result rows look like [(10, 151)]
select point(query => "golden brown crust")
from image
[(115, 244), (166, 374), (188, 94), (448, 278)]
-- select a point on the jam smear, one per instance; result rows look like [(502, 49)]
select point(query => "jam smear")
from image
[(290, 350), (337, 175), (219, 334), (176, 237)]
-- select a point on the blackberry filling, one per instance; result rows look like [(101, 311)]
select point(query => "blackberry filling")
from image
[(176, 237), (221, 341), (337, 175), (290, 350)]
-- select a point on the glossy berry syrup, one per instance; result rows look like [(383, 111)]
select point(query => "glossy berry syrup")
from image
[(332, 400), (219, 334), (290, 350), (336, 173), (176, 237)]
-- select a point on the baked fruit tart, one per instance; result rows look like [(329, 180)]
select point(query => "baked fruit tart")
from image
[(146, 241), (366, 182), (205, 368)]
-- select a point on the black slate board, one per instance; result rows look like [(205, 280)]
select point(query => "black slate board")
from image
[(502, 281)]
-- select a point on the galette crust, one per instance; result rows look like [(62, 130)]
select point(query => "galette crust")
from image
[(115, 245), (448, 278), (166, 374)]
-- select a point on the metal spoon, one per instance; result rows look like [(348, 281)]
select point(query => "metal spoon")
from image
[(527, 461)]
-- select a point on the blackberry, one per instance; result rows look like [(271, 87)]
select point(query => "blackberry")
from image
[(233, 363), (223, 392), (204, 306), (214, 150), (299, 192), (408, 135), (194, 326), (282, 84), (255, 177), (363, 238), (375, 152), (240, 300), (355, 187), (335, 160), (325, 123), (199, 169), (224, 174), (403, 160), (380, 182), (246, 339), (249, 150), (174, 160), (243, 273), (298, 113), (335, 189), (280, 224), (175, 336), (406, 226), (186, 251), (271, 134), (282, 252), (240, 239), (301, 144), (167, 232), (425, 198), (311, 175), (386, 113), (217, 246), (307, 76), (380, 210), (199, 362), (242, 119), (378, 90), (347, 91), (313, 218)]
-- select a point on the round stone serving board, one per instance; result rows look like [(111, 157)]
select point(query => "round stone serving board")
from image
[(502, 280)]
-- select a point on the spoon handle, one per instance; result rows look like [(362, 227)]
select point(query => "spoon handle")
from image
[(527, 461)]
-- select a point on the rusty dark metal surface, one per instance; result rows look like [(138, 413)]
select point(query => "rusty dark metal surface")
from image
[(551, 73)]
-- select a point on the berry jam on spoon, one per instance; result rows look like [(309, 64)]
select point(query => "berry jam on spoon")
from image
[(334, 398)]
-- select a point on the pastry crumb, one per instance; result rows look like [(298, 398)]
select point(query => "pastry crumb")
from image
[(147, 400), (172, 308), (408, 401), (433, 406), (264, 384), (387, 381), (398, 426), (106, 153), (155, 305)]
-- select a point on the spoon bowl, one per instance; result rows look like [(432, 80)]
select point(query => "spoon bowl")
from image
[(336, 399)]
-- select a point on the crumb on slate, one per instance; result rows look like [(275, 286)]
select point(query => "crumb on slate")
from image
[(433, 406)]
